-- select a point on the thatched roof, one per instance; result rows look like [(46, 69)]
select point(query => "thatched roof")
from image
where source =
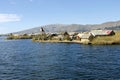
[(101, 32), (86, 36)]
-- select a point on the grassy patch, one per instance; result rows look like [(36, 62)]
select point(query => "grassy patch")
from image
[(19, 37)]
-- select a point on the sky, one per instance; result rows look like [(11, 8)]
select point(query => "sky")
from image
[(17, 15)]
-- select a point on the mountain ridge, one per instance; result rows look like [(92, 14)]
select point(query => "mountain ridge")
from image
[(53, 28)]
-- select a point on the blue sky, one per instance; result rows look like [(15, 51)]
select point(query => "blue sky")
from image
[(17, 15)]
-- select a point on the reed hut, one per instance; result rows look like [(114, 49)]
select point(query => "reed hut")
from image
[(102, 32)]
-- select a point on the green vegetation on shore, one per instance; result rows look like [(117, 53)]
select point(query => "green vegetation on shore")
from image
[(52, 37)]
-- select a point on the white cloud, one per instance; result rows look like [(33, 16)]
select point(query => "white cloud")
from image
[(9, 18)]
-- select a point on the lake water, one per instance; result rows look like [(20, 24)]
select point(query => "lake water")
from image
[(27, 60)]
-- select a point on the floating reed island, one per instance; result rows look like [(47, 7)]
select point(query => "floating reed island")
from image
[(19, 36), (95, 37)]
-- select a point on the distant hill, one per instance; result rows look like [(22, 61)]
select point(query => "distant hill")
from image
[(53, 28)]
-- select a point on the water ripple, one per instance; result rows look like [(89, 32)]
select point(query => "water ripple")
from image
[(26, 60)]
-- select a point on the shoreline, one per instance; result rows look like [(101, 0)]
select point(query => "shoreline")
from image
[(65, 41), (56, 41), (77, 42)]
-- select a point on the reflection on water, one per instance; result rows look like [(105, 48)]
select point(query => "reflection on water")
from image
[(25, 60)]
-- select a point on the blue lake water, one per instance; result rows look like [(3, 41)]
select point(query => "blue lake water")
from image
[(27, 60)]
